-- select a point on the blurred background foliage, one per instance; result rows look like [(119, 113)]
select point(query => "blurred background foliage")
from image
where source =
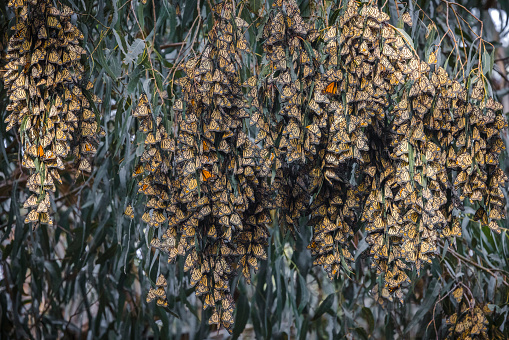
[(87, 277)]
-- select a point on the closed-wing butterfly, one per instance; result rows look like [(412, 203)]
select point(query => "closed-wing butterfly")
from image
[(481, 214), (129, 211)]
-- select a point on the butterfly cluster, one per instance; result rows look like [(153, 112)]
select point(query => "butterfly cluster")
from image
[(49, 99), (203, 180), (348, 130), (153, 167), (158, 293), (420, 142), (469, 322), (279, 113)]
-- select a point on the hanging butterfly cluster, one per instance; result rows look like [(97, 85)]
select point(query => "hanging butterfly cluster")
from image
[(155, 162), (282, 97), (44, 80), (159, 292), (469, 322), (418, 142), (352, 128), (336, 202), (205, 183)]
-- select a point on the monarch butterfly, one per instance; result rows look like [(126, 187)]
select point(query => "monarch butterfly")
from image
[(85, 165), (206, 174), (214, 319), (242, 45), (405, 53), (407, 19), (162, 302), (61, 149), (129, 211), (30, 202), (43, 206), (142, 109), (151, 295), (481, 214), (496, 214), (17, 95), (331, 89), (16, 3), (227, 318), (33, 216)]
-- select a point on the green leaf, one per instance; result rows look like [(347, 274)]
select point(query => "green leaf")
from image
[(429, 299), (241, 317), (304, 329), (368, 316), (486, 62), (492, 61), (334, 16), (361, 332), (190, 7), (304, 293), (134, 51), (120, 41), (324, 307)]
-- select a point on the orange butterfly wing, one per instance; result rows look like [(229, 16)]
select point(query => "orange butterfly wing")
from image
[(206, 174), (332, 89)]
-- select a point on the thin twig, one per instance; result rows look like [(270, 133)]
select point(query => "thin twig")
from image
[(434, 308), (172, 45), (487, 270), (464, 44), (500, 73), (501, 59)]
